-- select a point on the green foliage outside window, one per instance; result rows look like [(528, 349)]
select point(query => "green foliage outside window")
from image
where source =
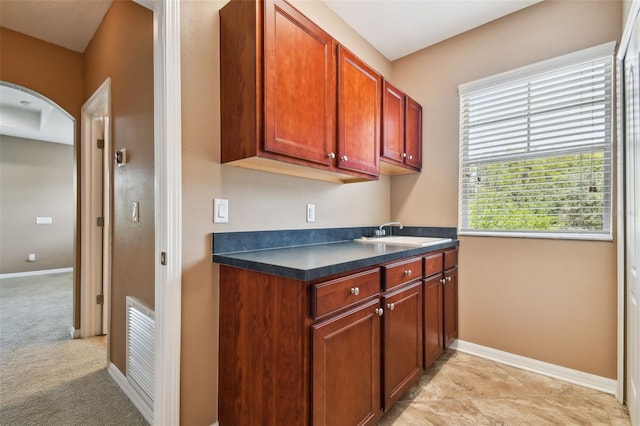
[(563, 193)]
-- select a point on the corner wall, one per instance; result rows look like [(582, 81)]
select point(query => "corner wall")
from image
[(36, 179), (122, 49), (257, 200), (550, 300)]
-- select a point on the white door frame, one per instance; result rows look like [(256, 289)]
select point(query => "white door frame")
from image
[(634, 12), (95, 257), (168, 208)]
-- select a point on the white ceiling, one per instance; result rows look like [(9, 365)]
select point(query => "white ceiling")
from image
[(400, 27), (395, 27), (25, 115)]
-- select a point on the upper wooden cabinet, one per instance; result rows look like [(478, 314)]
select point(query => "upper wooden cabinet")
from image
[(401, 149), (299, 86), (413, 133), (359, 114), (278, 89)]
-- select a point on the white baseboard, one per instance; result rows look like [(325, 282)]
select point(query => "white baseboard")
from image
[(75, 334), (592, 381), (32, 273), (141, 404)]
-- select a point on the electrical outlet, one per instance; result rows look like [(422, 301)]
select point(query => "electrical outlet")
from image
[(31, 257), (311, 212)]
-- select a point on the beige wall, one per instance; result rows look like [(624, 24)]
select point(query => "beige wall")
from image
[(122, 49), (553, 301), (56, 73), (36, 179), (257, 200)]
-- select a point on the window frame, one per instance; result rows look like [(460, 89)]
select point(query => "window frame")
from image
[(602, 51)]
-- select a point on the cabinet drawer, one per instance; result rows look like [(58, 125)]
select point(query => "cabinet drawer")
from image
[(450, 258), (342, 292), (432, 264), (402, 272)]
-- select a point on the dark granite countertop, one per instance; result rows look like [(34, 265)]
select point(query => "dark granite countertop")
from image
[(316, 260)]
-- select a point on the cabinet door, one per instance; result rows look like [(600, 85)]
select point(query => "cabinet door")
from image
[(413, 131), (393, 122), (359, 111), (450, 306), (433, 335), (299, 85), (403, 350), (346, 368)]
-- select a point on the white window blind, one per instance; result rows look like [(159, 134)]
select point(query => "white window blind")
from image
[(535, 151)]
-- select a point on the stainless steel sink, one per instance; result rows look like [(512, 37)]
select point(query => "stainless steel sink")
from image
[(404, 241)]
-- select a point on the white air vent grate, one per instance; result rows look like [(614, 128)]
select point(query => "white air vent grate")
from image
[(140, 346)]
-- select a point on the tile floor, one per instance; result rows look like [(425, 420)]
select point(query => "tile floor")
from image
[(461, 389)]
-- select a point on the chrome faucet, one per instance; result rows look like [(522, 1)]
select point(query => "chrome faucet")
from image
[(380, 232)]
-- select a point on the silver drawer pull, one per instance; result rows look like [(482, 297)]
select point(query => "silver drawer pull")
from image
[(391, 306), (355, 291), (379, 311), (408, 272), (442, 280), (411, 157), (344, 158), (331, 155), (449, 279)]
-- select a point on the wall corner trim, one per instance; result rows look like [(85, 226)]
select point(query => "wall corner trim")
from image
[(588, 380), (145, 409)]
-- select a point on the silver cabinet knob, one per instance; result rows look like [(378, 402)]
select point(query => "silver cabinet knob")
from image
[(391, 306), (332, 155), (408, 272), (449, 279), (410, 157), (379, 311), (355, 291), (404, 155), (442, 280), (343, 158)]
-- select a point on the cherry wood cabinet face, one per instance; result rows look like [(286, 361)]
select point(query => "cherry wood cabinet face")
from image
[(450, 306), (413, 140), (300, 85), (359, 114), (433, 333), (346, 368), (393, 125), (403, 349)]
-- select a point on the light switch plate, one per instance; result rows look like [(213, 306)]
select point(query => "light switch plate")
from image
[(220, 210), (311, 212), (135, 211)]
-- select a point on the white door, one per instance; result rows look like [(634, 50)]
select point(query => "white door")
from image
[(632, 210), (95, 224)]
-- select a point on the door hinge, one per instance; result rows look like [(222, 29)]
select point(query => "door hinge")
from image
[(100, 221), (100, 299), (100, 143)]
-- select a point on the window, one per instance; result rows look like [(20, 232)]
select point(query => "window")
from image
[(535, 149)]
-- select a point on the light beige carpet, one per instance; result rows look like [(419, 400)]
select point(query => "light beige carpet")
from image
[(47, 378)]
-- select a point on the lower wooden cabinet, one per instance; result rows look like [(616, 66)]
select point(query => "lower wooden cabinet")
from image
[(433, 330), (402, 341), (339, 351), (450, 306), (346, 368)]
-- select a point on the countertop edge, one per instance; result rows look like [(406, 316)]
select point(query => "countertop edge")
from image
[(325, 271)]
